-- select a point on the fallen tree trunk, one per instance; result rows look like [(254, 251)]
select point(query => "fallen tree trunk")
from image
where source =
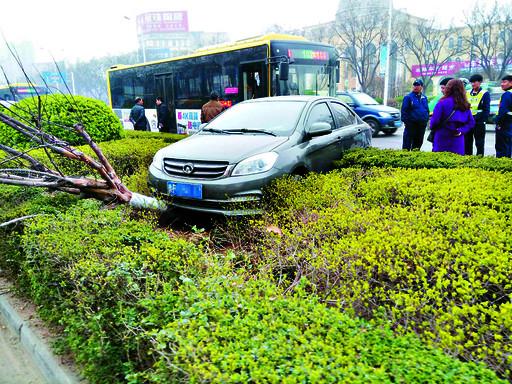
[(108, 188)]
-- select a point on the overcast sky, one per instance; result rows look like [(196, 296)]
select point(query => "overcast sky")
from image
[(72, 29)]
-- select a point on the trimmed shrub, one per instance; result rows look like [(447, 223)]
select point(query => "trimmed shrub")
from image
[(225, 329), (16, 202), (63, 111), (373, 157), (140, 307), (87, 269), (430, 250)]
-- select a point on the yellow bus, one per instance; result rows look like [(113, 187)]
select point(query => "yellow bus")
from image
[(269, 65)]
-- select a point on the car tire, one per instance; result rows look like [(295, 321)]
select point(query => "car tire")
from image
[(374, 125), (389, 132)]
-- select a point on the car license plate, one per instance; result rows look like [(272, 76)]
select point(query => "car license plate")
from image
[(192, 191), (398, 123)]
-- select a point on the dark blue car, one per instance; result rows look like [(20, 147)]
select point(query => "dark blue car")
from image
[(379, 117)]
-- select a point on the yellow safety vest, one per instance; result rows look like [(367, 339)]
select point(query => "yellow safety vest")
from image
[(475, 101)]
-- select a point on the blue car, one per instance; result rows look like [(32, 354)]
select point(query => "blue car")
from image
[(379, 117)]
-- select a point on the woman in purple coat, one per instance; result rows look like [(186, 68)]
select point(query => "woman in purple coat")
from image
[(451, 119)]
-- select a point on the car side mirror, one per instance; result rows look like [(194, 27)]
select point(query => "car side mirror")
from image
[(283, 70), (319, 129)]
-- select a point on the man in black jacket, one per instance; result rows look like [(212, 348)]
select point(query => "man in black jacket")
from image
[(162, 114), (138, 116), (415, 115)]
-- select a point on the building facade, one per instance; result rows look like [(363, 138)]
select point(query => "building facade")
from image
[(166, 34)]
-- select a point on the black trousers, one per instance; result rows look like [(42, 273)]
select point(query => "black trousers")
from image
[(414, 133), (478, 133), (503, 143)]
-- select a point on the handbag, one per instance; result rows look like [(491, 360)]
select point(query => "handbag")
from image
[(431, 135)]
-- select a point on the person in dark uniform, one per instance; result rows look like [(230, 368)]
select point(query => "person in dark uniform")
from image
[(480, 102), (504, 120), (162, 114), (138, 116), (415, 114)]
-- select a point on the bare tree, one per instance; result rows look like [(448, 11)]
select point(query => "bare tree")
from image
[(490, 38), (361, 31), (420, 42)]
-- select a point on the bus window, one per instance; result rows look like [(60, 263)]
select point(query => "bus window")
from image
[(303, 80)]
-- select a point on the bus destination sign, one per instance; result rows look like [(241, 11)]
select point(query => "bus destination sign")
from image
[(308, 54)]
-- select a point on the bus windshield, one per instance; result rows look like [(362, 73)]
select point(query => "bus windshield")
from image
[(304, 80)]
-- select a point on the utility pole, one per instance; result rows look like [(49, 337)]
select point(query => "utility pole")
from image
[(388, 49)]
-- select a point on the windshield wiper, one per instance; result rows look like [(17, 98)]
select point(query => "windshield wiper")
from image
[(214, 130), (249, 130)]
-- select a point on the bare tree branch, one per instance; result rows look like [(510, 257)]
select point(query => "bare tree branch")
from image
[(424, 44), (490, 38)]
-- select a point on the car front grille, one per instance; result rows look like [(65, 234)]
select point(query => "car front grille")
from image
[(195, 168)]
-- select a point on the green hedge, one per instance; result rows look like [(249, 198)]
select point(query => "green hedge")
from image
[(16, 202), (139, 306), (373, 157), (225, 329), (429, 250), (64, 111)]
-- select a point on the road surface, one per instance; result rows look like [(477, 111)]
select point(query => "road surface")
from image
[(15, 365)]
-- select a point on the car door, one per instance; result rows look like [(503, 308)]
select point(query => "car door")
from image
[(347, 127), (322, 150)]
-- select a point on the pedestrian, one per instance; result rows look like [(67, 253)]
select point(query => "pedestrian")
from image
[(138, 116), (480, 102), (504, 120), (212, 108), (452, 119), (162, 115), (443, 83), (415, 115)]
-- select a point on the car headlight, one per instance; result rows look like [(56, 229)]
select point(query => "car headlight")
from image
[(158, 160), (255, 164), (384, 114)]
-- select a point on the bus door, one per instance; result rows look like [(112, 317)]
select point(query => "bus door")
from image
[(253, 80), (164, 86)]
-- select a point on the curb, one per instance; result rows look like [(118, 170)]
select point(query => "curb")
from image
[(54, 372)]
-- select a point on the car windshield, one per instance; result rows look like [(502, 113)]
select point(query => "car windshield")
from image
[(277, 117), (364, 99)]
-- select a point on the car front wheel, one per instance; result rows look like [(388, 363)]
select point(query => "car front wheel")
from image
[(374, 125), (389, 132)]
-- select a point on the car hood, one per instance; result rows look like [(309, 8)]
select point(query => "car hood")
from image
[(219, 147), (380, 108)]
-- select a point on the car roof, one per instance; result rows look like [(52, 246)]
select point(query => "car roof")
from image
[(291, 98)]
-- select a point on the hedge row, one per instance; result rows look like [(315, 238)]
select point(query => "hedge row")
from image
[(373, 157), (140, 305), (428, 250)]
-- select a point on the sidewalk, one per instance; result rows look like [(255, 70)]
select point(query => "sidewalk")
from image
[(25, 356)]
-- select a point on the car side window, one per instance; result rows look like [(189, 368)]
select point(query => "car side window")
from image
[(342, 115), (321, 114)]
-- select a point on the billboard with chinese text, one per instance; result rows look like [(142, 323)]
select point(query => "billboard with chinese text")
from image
[(158, 22)]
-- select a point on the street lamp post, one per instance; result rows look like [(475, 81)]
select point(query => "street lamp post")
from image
[(388, 49)]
